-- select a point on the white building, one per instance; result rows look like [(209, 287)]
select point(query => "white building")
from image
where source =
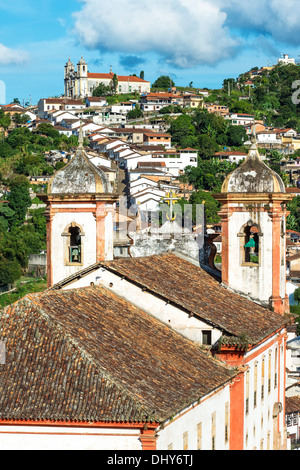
[(81, 83), (240, 119), (285, 60)]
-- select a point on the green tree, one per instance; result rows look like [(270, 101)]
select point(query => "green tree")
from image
[(293, 219), (5, 120), (19, 199), (135, 113), (10, 271), (297, 295), (236, 136), (164, 81), (181, 128), (114, 83), (102, 90)]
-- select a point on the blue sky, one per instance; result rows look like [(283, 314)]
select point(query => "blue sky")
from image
[(203, 41)]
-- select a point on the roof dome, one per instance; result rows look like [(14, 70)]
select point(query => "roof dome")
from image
[(253, 176), (79, 176)]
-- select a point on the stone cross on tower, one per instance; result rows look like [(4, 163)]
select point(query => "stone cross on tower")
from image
[(169, 199)]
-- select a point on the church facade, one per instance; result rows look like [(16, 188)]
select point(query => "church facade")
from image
[(80, 83), (151, 352)]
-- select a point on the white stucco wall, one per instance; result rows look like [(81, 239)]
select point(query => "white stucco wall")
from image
[(68, 438), (188, 421), (258, 422)]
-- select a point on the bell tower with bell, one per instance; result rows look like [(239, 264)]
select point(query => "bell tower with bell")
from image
[(253, 212), (80, 206)]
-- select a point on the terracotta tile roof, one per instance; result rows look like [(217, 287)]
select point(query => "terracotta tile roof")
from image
[(121, 78), (88, 355), (190, 287), (130, 78), (292, 404), (294, 274), (292, 190), (108, 76)]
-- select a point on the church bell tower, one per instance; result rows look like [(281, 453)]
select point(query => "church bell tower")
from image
[(80, 206), (253, 212)]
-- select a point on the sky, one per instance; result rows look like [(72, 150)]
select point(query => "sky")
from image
[(199, 41)]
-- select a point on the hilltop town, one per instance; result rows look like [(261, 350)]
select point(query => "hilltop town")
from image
[(81, 177)]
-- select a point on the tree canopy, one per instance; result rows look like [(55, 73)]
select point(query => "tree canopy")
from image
[(164, 81)]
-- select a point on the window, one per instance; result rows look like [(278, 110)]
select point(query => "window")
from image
[(262, 378), (255, 386), (250, 243), (185, 440), (269, 372), (199, 436), (247, 391), (213, 431), (276, 365), (226, 422), (206, 337), (75, 245)]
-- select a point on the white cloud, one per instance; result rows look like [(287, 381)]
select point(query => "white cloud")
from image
[(184, 32), (10, 56), (278, 20)]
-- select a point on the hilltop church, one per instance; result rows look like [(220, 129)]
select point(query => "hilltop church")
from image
[(151, 352), (80, 83)]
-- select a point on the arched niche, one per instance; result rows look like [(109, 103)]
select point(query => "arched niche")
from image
[(73, 244), (250, 244)]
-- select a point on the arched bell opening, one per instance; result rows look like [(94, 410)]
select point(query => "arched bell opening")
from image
[(250, 244), (73, 244)]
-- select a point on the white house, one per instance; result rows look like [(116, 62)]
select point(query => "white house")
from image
[(240, 119), (231, 156), (122, 107), (96, 101), (268, 137), (285, 60)]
